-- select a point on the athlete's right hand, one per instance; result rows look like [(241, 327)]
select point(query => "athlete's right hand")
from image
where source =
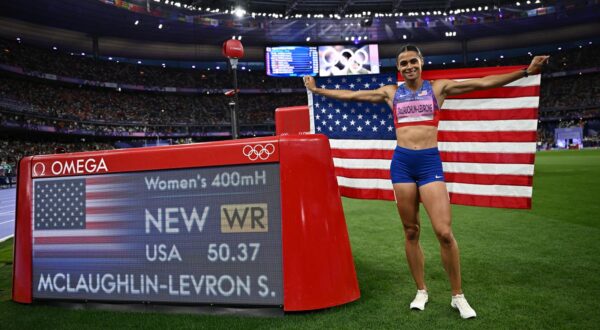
[(310, 83)]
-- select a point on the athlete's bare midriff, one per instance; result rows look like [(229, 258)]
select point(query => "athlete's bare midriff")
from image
[(417, 137)]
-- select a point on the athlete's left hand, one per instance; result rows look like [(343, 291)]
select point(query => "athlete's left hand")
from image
[(536, 64)]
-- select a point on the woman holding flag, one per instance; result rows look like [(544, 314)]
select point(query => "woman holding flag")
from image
[(416, 167)]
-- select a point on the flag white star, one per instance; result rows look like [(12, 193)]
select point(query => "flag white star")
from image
[(337, 122), (343, 80), (323, 123), (330, 128), (337, 86), (352, 122), (344, 128), (373, 79), (381, 84), (352, 110), (359, 79), (389, 79), (323, 86), (319, 128), (317, 117), (352, 86), (359, 117), (382, 122), (390, 128), (323, 110), (337, 110), (374, 128), (375, 116), (359, 128), (329, 116), (329, 81), (367, 85), (368, 122), (344, 116)]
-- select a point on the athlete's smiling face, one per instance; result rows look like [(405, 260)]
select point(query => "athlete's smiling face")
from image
[(409, 65)]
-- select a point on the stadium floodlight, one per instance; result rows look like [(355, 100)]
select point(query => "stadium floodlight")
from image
[(137, 21), (404, 36), (160, 26), (307, 38), (239, 12), (193, 67)]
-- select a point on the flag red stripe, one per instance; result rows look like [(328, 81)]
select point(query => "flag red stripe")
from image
[(109, 179), (106, 194), (357, 173), (501, 92), (466, 73), (482, 157), (495, 136), (363, 153), (82, 239), (367, 193), (481, 115), (109, 224), (491, 201), (489, 179), (108, 210), (496, 179), (463, 157), (84, 254)]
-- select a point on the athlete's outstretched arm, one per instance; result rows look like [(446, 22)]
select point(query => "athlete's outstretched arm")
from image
[(451, 87), (375, 96)]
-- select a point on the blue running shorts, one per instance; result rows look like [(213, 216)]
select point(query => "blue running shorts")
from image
[(418, 166)]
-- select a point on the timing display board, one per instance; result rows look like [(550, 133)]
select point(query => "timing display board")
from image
[(201, 235), (292, 61)]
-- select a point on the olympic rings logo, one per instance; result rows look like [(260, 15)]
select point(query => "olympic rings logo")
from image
[(258, 151), (347, 58)]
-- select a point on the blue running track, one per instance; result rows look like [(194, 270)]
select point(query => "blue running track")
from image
[(7, 213)]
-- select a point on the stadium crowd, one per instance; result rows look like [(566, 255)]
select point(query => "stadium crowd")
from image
[(86, 67), (36, 104)]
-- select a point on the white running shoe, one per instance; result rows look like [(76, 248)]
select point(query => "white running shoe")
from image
[(420, 300), (460, 302)]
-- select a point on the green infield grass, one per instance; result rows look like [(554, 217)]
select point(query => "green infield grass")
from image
[(522, 269)]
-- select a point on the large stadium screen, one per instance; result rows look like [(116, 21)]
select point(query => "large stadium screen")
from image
[(291, 61), (198, 235), (348, 60)]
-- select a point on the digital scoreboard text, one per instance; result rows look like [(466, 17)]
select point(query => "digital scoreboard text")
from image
[(202, 235)]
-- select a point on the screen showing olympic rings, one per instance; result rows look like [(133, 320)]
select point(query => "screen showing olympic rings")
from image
[(348, 60)]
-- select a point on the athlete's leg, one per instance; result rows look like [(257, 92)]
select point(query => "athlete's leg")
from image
[(435, 199), (407, 201)]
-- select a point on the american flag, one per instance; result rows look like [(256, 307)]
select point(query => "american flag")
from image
[(83, 217), (487, 139)]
